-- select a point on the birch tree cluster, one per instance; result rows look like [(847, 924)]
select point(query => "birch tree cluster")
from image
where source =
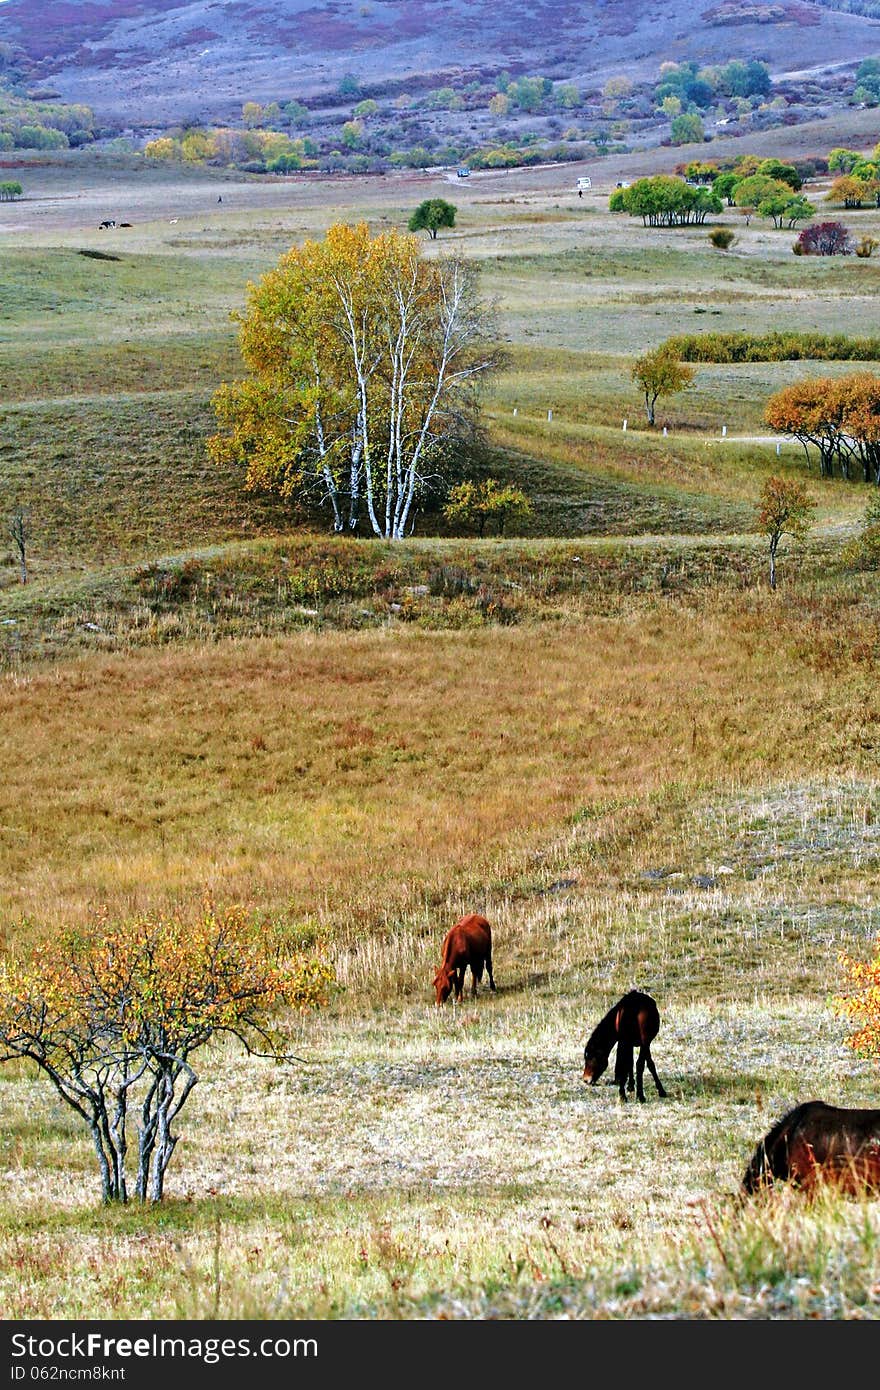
[(364, 362)]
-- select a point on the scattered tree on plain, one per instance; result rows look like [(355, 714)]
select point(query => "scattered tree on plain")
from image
[(114, 1015), (475, 504), (660, 373), (19, 533), (431, 215), (687, 129), (365, 363), (841, 160), (751, 191), (666, 201), (849, 191), (785, 209), (825, 239), (10, 189), (785, 509), (837, 416)]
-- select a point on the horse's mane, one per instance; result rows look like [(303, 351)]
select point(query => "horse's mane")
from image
[(762, 1158), (604, 1034)]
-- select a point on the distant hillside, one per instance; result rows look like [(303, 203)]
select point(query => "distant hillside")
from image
[(163, 60)]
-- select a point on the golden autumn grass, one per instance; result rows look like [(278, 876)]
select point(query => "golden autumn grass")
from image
[(293, 774)]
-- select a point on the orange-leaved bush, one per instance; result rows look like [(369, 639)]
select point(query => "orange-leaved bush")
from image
[(113, 1015)]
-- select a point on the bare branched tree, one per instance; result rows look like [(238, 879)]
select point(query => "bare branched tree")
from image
[(20, 531)]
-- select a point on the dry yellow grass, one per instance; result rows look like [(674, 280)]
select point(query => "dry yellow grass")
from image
[(342, 776)]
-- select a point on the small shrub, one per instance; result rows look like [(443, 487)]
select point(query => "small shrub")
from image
[(449, 581), (722, 238), (863, 552), (175, 585), (866, 247)]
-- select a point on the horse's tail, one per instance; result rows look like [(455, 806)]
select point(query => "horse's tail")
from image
[(770, 1158)]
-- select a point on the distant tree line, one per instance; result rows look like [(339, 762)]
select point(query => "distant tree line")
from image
[(43, 125)]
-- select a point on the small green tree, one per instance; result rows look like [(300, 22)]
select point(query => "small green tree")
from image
[(352, 134), (660, 373), (785, 508), (431, 215), (476, 503), (785, 209), (10, 190), (687, 129)]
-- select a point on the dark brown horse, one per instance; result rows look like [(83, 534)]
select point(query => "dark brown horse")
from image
[(468, 943), (631, 1023), (816, 1144)]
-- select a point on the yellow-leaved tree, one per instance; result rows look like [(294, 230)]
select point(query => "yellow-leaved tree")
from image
[(113, 1015), (364, 361)]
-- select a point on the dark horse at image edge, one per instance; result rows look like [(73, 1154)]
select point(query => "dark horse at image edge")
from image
[(817, 1144), (630, 1023)]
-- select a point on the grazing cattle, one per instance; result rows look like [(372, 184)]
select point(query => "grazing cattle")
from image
[(632, 1022), (125, 224), (108, 222), (468, 943), (817, 1145), (173, 221)]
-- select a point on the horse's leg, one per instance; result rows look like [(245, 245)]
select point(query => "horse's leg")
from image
[(489, 969), (653, 1070), (476, 975), (623, 1067), (640, 1072)]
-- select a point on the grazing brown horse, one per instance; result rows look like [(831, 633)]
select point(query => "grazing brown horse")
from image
[(632, 1022), (468, 943), (817, 1144)]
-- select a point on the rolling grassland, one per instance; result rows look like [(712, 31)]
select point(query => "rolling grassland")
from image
[(602, 730)]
